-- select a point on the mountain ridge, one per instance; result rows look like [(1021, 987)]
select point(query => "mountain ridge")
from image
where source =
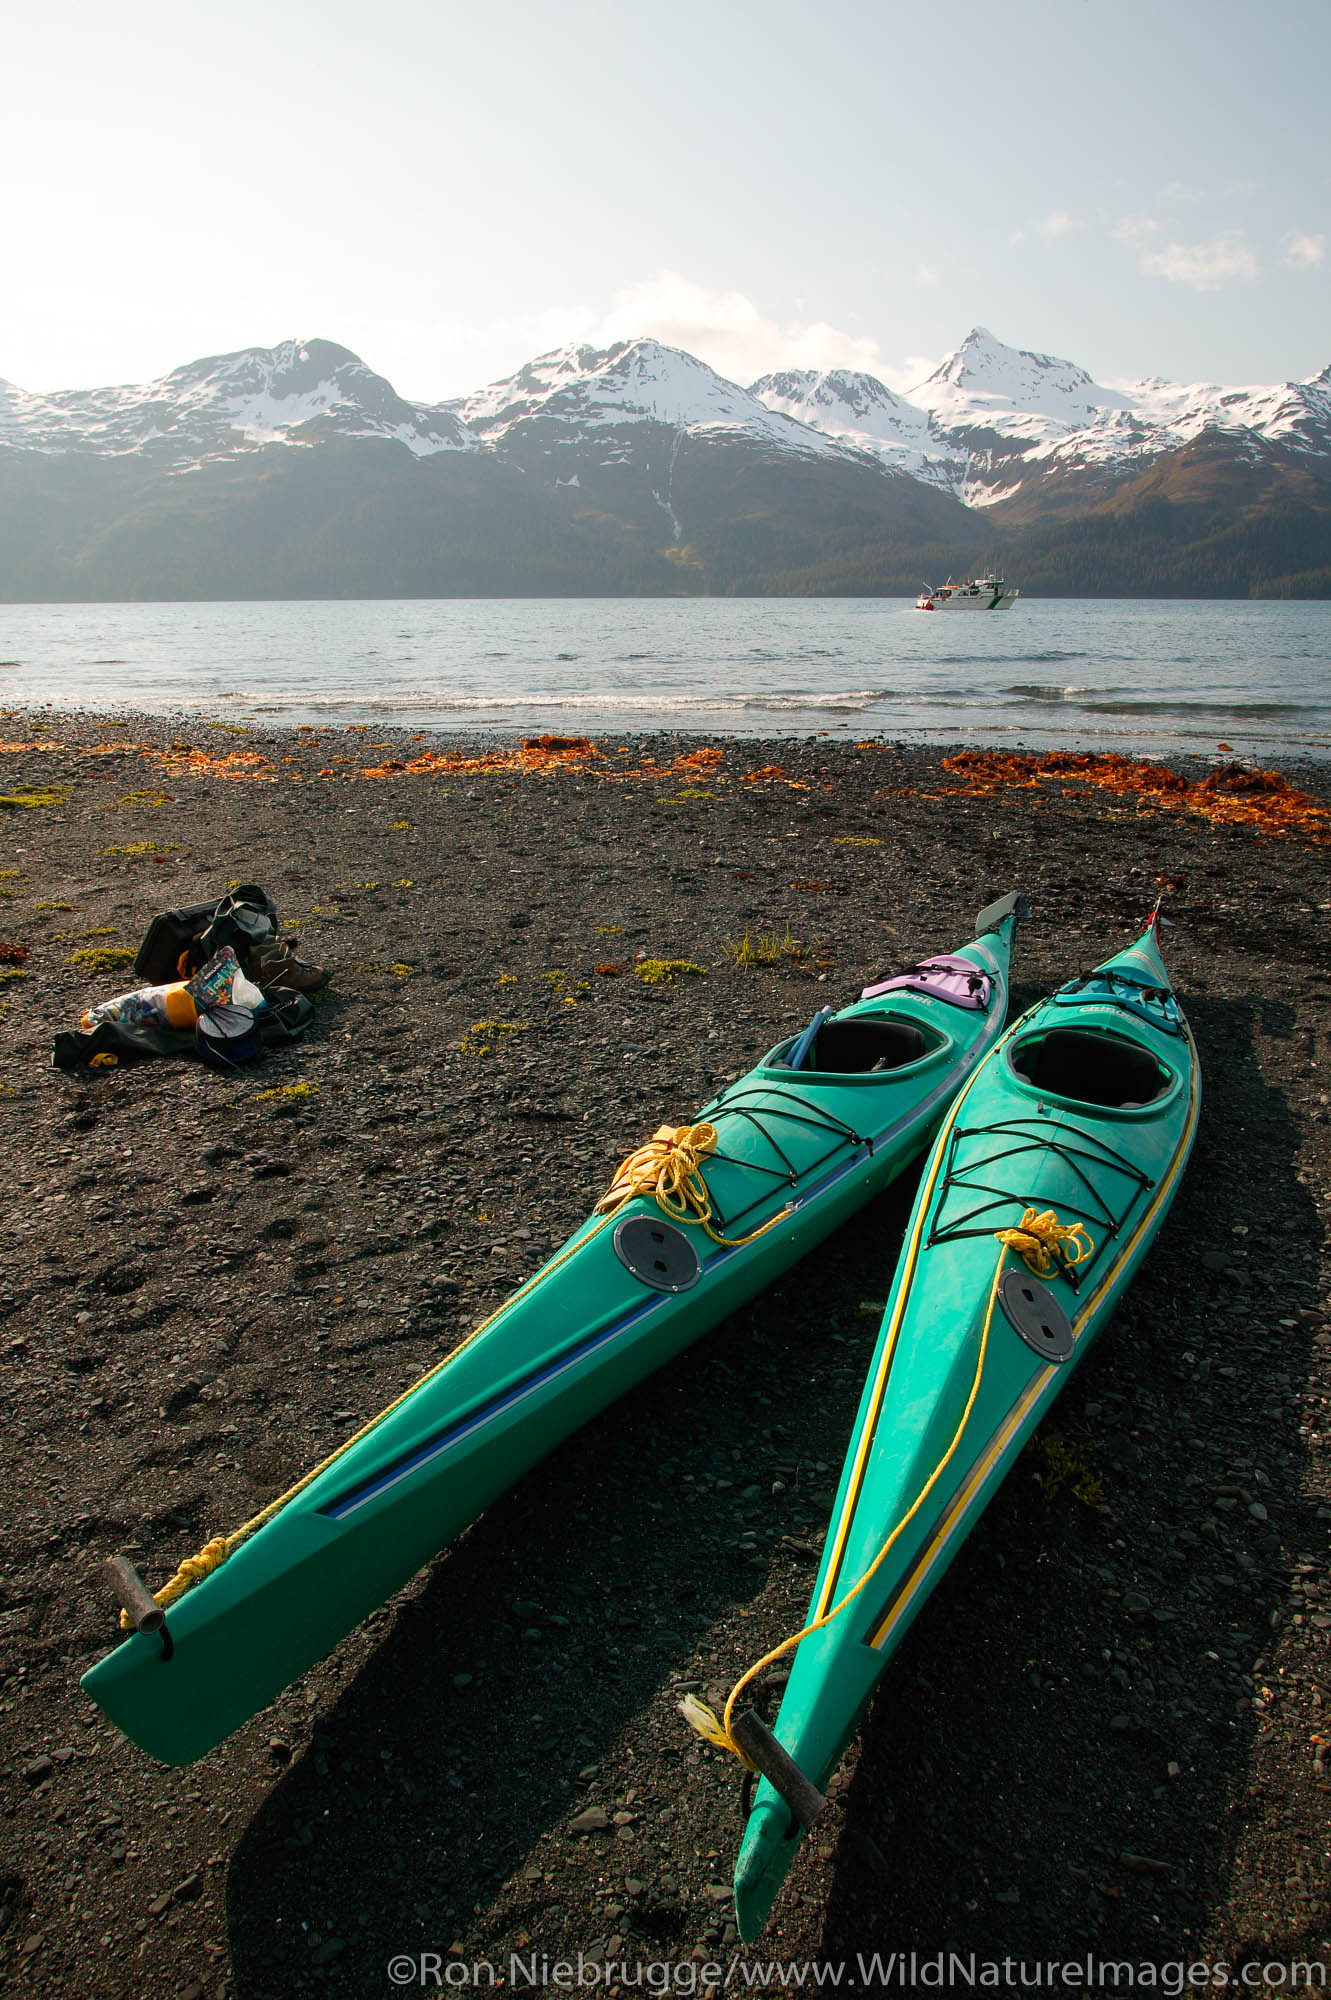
[(638, 467)]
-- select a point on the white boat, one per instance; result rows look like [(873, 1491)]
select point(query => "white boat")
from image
[(981, 593)]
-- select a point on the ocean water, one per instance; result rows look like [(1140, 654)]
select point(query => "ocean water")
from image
[(1139, 676)]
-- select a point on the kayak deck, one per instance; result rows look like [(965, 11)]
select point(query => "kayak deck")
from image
[(797, 1152), (1086, 1110)]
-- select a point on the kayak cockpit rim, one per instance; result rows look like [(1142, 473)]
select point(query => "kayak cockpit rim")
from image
[(879, 1044), (1092, 1065)]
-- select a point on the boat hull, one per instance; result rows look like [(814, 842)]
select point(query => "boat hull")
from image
[(966, 600), (799, 1150), (1010, 1142)]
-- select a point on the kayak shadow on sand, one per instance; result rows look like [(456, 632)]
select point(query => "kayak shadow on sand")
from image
[(570, 1615), (1063, 1757), (1011, 1790)]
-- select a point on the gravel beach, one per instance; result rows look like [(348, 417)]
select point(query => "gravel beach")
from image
[(1107, 1735)]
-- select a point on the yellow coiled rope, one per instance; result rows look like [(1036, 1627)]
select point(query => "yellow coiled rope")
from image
[(668, 1166), (1043, 1243), (1046, 1244)]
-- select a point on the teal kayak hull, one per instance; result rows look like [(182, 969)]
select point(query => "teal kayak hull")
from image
[(799, 1149), (1087, 1107)]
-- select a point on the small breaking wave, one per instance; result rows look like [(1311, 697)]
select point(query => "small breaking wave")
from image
[(833, 699), (1049, 691)]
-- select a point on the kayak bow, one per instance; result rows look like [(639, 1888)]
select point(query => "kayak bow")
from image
[(1067, 1144), (778, 1160)]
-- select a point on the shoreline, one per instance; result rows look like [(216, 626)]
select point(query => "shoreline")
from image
[(1122, 675), (1099, 1734)]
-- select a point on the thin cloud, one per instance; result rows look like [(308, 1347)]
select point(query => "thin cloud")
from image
[(1304, 253), (734, 336), (1225, 260), (452, 356), (927, 275), (1058, 223)]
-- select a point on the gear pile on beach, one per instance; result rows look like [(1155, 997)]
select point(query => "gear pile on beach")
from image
[(221, 983)]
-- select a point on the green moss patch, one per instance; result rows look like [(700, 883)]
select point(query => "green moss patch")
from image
[(29, 798), (664, 971), (102, 958)]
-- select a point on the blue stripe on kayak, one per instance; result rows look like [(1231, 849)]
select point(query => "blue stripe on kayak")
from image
[(339, 1510), (359, 1496)]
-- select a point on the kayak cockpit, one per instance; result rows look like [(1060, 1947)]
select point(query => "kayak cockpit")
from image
[(861, 1045), (1091, 1066)]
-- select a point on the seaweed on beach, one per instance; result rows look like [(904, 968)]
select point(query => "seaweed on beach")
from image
[(1231, 795)]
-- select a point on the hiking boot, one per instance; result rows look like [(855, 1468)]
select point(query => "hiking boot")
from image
[(275, 964)]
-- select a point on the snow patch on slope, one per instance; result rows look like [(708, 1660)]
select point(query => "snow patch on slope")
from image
[(860, 411), (294, 393)]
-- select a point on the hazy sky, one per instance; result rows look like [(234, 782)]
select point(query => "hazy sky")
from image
[(450, 189)]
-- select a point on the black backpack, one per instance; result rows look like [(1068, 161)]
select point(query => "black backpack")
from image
[(178, 942)]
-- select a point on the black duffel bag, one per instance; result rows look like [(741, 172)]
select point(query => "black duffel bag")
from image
[(178, 942)]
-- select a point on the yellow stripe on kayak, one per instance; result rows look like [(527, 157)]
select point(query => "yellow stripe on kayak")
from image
[(953, 1517), (885, 1364), (936, 1548)]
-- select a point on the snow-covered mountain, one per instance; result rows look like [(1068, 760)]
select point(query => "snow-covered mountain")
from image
[(581, 391), (985, 384), (993, 421), (859, 411), (295, 470), (637, 469), (990, 423), (300, 392)]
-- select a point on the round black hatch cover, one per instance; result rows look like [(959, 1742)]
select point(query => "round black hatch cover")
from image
[(1036, 1314), (657, 1253)]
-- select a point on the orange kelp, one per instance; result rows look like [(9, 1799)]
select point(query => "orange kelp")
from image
[(540, 755), (200, 764), (180, 761), (1231, 795), (534, 753), (773, 774)]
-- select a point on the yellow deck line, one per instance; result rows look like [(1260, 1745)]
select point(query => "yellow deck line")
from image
[(885, 1363), (946, 1527), (933, 1550)]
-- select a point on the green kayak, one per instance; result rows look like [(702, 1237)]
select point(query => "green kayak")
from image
[(778, 1160), (1070, 1138)]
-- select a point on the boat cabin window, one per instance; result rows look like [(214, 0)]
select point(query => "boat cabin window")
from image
[(854, 1048), (1091, 1068)]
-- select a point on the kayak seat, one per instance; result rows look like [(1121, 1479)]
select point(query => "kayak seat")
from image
[(855, 1047), (1090, 1067)]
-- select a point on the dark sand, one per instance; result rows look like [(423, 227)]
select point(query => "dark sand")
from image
[(1100, 1737)]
